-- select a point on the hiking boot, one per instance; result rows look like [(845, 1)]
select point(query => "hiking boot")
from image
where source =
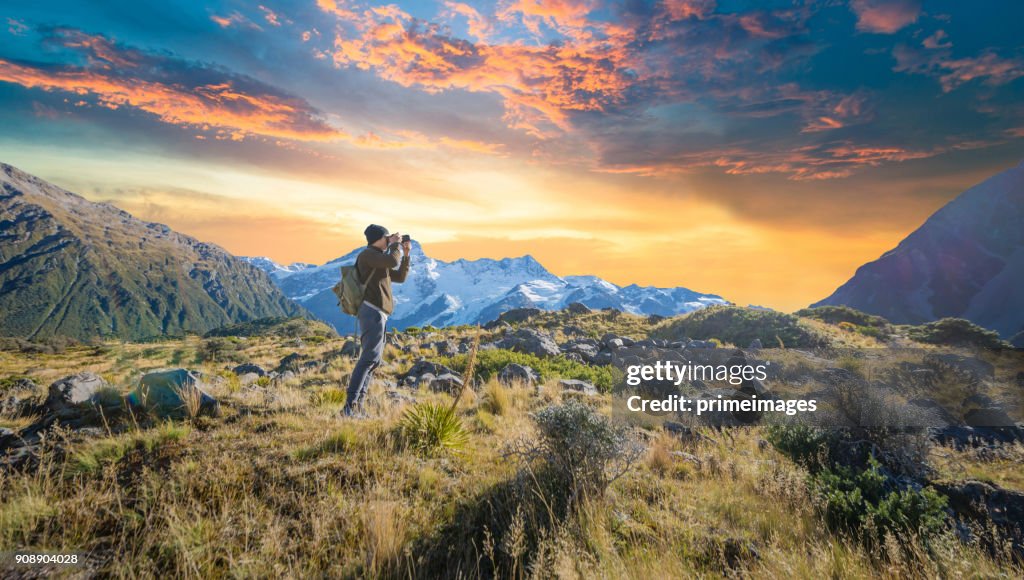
[(349, 413)]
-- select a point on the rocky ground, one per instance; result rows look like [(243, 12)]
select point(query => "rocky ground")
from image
[(240, 464)]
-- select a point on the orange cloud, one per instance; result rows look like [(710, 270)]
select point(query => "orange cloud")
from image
[(218, 106), (539, 85), (885, 16)]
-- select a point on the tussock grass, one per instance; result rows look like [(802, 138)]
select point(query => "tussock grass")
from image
[(279, 486)]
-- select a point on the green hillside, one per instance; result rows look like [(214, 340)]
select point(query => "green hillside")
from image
[(80, 269)]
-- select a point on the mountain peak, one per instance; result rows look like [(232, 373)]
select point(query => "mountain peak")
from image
[(965, 261), (82, 269), (466, 291)]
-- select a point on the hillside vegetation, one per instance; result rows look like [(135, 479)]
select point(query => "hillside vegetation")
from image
[(500, 479)]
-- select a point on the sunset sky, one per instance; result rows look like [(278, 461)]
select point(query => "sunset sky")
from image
[(756, 150)]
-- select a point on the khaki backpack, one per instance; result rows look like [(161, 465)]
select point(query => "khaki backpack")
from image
[(350, 291)]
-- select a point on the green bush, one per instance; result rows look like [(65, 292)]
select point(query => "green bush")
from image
[(863, 503), (490, 362), (279, 326), (581, 447), (433, 428), (741, 326), (807, 446), (956, 332), (849, 319)]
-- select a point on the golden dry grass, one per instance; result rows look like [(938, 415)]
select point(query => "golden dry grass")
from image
[(280, 486)]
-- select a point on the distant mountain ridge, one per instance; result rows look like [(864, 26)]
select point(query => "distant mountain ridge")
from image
[(965, 261), (72, 267), (470, 291)]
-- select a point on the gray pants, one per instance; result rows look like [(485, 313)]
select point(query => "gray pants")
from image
[(371, 338)]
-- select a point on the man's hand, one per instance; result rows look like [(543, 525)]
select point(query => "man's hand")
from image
[(394, 238), (406, 247)]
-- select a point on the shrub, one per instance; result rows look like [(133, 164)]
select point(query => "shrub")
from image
[(490, 362), (432, 428), (956, 332), (806, 445), (863, 503), (741, 326), (217, 349), (295, 327), (582, 449), (849, 319)]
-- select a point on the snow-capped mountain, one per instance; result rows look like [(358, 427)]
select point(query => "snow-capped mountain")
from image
[(470, 291)]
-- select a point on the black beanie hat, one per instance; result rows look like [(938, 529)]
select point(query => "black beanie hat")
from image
[(373, 232)]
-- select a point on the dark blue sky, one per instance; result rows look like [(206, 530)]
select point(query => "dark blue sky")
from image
[(838, 118)]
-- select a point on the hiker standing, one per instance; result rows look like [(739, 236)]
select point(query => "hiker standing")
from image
[(381, 263)]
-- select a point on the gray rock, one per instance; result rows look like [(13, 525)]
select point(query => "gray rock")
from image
[(755, 344), (573, 330), (420, 368), (701, 344), (249, 368), (446, 383), (247, 379), (73, 392), (530, 341), (578, 386), (578, 308), (424, 380), (170, 393), (991, 417), (518, 315), (400, 397), (515, 373), (292, 362)]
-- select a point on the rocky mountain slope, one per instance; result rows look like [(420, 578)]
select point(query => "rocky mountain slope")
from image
[(966, 261), (76, 268), (469, 291)]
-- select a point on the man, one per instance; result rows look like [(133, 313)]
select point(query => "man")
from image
[(380, 264)]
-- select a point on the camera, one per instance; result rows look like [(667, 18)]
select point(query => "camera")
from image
[(405, 238)]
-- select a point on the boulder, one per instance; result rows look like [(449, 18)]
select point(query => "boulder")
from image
[(530, 341), (423, 367), (701, 344), (515, 373), (72, 393), (249, 368), (291, 362), (248, 379), (518, 315), (447, 383), (349, 349), (755, 344), (573, 330), (988, 417), (586, 348), (578, 308), (577, 386), (497, 324), (400, 397), (986, 505), (424, 380), (171, 393)]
